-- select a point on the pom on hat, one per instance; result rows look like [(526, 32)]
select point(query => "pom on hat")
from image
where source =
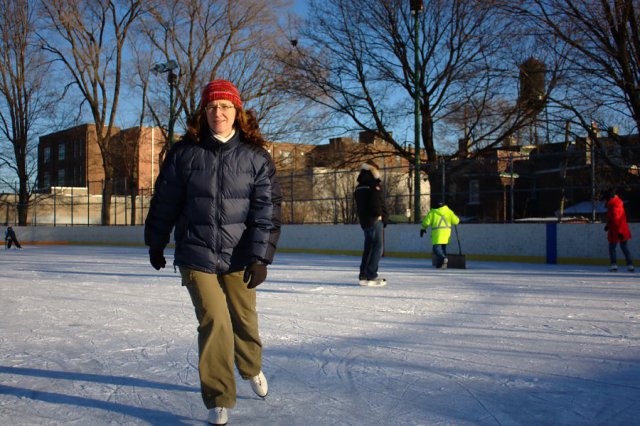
[(372, 167), (221, 90)]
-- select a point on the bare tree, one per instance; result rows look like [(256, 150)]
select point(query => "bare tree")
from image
[(138, 80), (88, 38), (218, 39), (23, 93), (600, 42), (356, 59)]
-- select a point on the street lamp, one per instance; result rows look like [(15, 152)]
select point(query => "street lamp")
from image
[(416, 7), (168, 68)]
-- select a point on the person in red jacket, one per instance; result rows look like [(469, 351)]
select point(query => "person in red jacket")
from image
[(617, 230)]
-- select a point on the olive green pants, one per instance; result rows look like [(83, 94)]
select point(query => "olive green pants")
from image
[(227, 333)]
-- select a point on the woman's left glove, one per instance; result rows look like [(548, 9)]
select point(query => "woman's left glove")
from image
[(255, 274), (156, 258)]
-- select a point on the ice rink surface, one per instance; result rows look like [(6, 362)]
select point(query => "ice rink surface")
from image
[(95, 336)]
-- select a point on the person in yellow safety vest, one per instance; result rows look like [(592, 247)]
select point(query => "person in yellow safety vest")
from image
[(440, 219)]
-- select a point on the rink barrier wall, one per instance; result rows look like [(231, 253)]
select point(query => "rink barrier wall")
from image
[(532, 243)]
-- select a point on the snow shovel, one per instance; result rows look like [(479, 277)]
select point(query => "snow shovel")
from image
[(457, 261)]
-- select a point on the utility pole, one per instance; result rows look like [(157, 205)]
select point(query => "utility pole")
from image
[(168, 68), (416, 7)]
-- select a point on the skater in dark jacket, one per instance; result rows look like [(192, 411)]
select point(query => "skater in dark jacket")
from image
[(617, 230), (218, 189), (10, 238), (372, 215)]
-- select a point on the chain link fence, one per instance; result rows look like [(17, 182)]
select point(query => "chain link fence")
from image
[(507, 185)]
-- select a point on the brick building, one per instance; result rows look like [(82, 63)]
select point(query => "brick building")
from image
[(72, 158), (317, 180)]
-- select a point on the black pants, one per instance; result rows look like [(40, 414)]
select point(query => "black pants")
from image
[(13, 241)]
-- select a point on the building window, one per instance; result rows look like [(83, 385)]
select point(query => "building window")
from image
[(61, 152), (474, 191), (286, 158), (60, 177), (47, 154), (46, 180)]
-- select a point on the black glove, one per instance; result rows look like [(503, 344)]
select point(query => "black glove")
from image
[(621, 237), (422, 232), (156, 257), (255, 274), (606, 228)]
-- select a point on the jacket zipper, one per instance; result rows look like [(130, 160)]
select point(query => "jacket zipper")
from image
[(218, 206)]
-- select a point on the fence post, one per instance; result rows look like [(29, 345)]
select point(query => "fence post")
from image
[(72, 206), (511, 190), (126, 195), (55, 200), (141, 192), (335, 196), (88, 203), (291, 196), (593, 173), (114, 195)]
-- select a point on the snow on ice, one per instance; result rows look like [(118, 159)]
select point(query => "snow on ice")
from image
[(95, 336)]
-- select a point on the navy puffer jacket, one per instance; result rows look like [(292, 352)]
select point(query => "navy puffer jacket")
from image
[(224, 201)]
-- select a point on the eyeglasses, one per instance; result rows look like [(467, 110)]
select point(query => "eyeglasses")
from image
[(223, 108)]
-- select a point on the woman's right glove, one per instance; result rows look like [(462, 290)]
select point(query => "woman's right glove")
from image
[(255, 274), (156, 257)]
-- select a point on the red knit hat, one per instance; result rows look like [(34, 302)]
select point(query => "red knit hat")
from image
[(221, 89)]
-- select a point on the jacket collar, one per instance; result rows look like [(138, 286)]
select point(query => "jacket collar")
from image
[(215, 144)]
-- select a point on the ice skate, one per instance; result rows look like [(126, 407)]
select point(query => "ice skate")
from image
[(218, 416), (377, 282), (259, 385), (445, 262), (630, 268), (613, 268)]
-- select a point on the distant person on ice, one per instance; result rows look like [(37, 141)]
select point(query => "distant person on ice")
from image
[(440, 219), (10, 238), (372, 215), (617, 230), (218, 188)]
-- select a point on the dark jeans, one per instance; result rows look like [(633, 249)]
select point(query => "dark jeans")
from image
[(625, 251), (440, 251), (13, 241), (372, 251)]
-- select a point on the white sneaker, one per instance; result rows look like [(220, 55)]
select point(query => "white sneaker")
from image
[(613, 268), (630, 268), (363, 283), (259, 385), (218, 416), (378, 282)]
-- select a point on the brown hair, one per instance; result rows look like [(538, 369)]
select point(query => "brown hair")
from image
[(245, 123)]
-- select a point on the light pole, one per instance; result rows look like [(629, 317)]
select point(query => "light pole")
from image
[(168, 68), (416, 7)]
